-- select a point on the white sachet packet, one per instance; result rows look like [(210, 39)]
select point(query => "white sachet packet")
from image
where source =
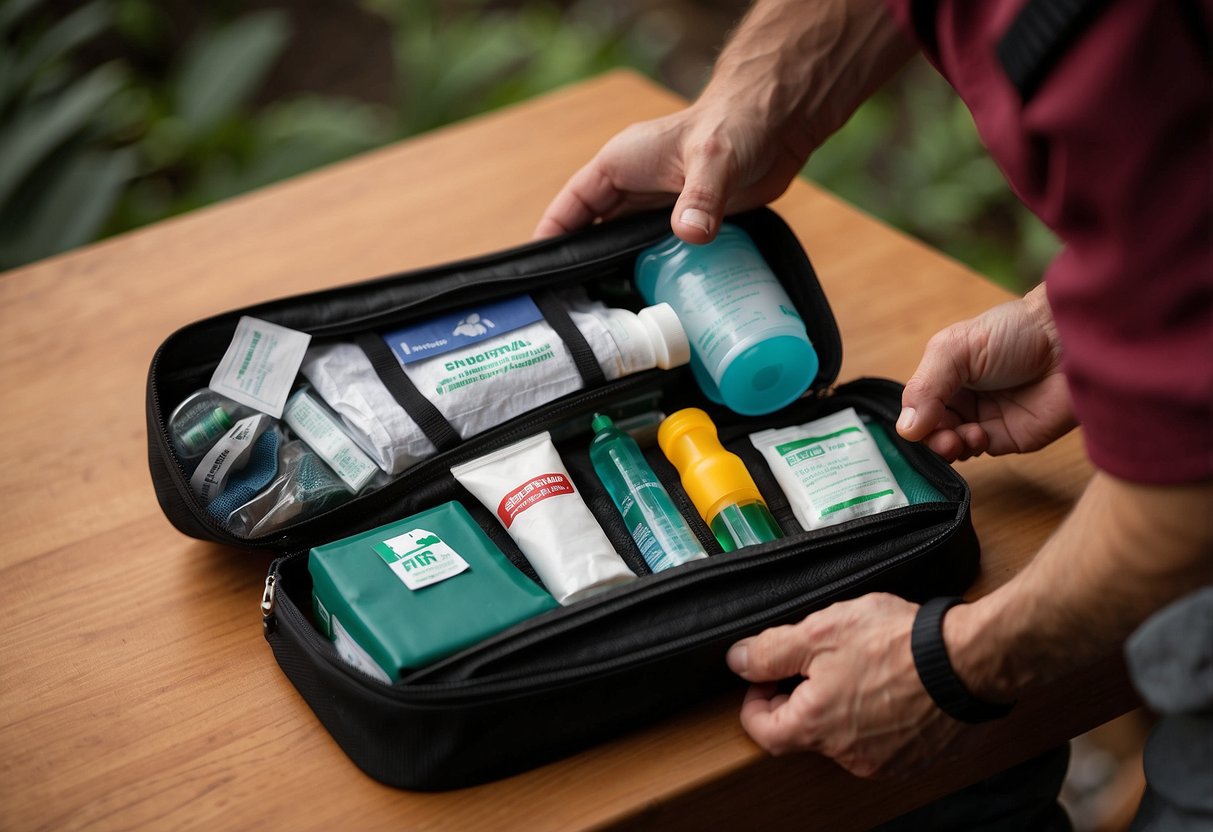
[(830, 469)]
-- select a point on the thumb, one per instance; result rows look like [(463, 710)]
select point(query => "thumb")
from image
[(700, 207), (945, 368), (773, 654)]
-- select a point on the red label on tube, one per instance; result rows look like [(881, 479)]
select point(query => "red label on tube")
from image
[(531, 492)]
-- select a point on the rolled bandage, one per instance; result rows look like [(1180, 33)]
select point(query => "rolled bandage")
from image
[(491, 382)]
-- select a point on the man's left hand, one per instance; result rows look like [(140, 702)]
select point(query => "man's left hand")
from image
[(858, 699)]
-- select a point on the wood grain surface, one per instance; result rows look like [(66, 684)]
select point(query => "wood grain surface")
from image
[(136, 690)]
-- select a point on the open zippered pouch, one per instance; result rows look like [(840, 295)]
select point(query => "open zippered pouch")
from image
[(574, 675)]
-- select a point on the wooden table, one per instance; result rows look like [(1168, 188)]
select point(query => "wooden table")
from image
[(135, 687)]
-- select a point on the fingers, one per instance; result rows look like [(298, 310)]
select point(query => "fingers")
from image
[(637, 168), (588, 195), (773, 654), (961, 442), (773, 721), (943, 371), (699, 209)]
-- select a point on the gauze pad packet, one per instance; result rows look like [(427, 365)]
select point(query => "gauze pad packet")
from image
[(479, 376), (830, 469)]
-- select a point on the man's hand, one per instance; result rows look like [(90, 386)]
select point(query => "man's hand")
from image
[(990, 384), (791, 75), (714, 157), (859, 700)]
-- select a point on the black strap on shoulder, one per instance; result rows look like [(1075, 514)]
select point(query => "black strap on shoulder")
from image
[(922, 18), (557, 315), (1040, 35), (432, 423), (1197, 25)]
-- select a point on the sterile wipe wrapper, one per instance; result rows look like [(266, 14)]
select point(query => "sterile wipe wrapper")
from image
[(528, 488), (830, 469)]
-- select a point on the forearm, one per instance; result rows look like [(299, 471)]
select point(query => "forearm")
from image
[(1124, 552), (805, 66)]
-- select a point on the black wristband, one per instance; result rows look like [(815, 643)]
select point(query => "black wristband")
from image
[(936, 673)]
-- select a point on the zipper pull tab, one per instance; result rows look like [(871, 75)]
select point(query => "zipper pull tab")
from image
[(267, 603)]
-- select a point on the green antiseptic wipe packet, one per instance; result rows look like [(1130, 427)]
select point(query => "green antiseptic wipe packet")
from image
[(409, 593)]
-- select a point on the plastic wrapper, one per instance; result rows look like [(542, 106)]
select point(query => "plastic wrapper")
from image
[(304, 486)]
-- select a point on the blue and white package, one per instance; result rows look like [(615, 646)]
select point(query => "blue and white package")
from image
[(462, 329)]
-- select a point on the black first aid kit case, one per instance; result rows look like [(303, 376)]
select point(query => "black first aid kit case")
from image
[(573, 674)]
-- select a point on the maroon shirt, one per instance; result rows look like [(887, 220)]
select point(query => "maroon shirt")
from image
[(1110, 146)]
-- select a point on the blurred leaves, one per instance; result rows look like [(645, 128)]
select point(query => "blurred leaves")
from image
[(456, 59), (222, 69), (164, 130), (100, 149), (912, 156), (60, 176)]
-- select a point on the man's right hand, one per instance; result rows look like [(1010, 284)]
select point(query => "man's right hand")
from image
[(990, 384), (791, 75), (714, 157)]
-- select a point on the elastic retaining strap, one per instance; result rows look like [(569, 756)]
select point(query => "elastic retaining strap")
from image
[(936, 672), (432, 423), (557, 316)]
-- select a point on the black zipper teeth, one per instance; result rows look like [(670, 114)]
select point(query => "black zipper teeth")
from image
[(177, 468), (532, 281)]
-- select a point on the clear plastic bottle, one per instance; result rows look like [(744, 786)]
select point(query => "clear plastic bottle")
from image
[(749, 347), (717, 481), (659, 529)]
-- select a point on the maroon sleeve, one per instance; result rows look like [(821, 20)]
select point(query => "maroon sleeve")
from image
[(1125, 178), (1112, 150)]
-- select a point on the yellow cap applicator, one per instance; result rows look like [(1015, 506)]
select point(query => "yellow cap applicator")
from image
[(716, 480)]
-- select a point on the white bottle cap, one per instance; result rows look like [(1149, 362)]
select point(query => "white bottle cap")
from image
[(666, 334)]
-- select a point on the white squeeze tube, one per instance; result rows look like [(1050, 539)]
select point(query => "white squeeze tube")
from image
[(525, 368), (527, 486)]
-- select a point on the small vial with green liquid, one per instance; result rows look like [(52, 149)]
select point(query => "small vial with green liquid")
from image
[(659, 529), (717, 481)]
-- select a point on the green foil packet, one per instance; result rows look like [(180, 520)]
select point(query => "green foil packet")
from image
[(404, 595)]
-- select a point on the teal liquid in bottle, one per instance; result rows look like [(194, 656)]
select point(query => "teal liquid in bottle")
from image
[(659, 529), (749, 347)]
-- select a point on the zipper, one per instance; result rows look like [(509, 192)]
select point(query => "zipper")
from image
[(268, 601), (473, 293)]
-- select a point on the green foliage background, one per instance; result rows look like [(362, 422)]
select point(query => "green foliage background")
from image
[(91, 150)]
